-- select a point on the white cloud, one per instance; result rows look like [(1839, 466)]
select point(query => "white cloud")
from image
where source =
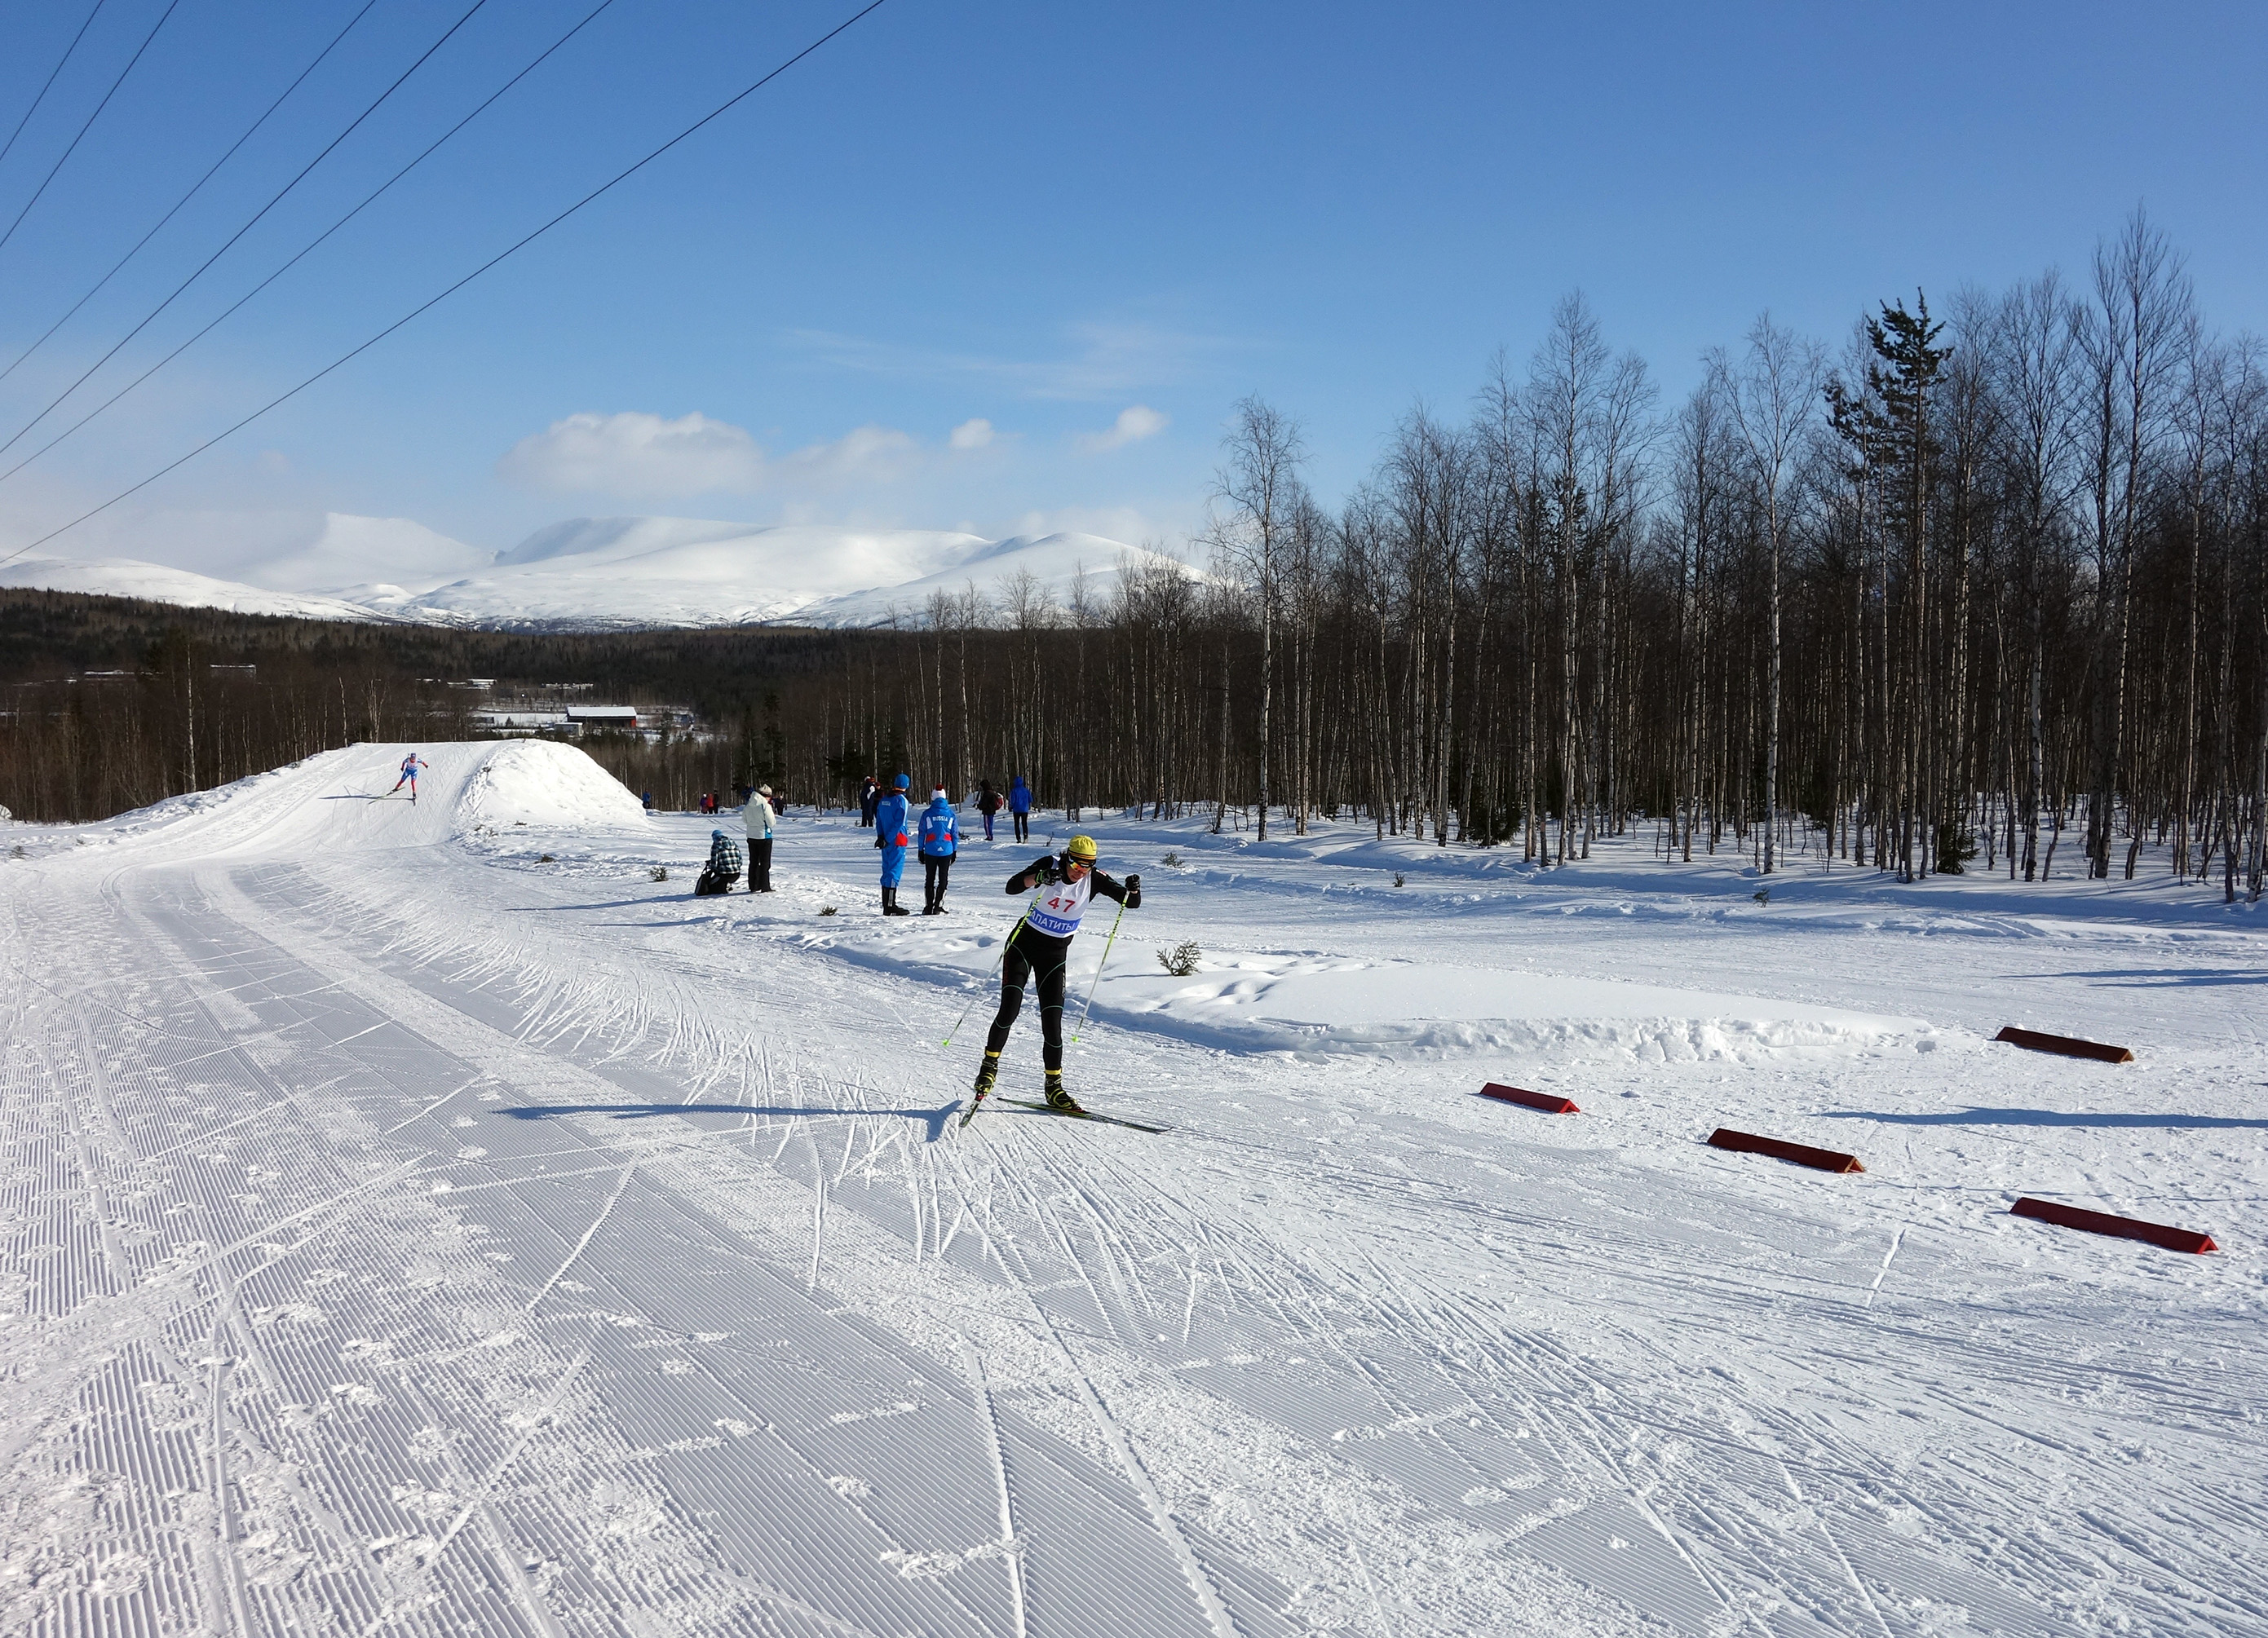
[(634, 453), (1135, 422), (1091, 361), (866, 454), (972, 434)]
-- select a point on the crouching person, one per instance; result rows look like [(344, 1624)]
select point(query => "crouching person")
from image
[(724, 866)]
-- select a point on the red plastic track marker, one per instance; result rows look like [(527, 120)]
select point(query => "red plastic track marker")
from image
[(1526, 1100), (2069, 1045), (2124, 1228), (1780, 1148)]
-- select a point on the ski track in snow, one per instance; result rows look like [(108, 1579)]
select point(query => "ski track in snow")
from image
[(406, 1236)]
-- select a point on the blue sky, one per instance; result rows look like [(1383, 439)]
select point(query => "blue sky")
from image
[(1073, 234)]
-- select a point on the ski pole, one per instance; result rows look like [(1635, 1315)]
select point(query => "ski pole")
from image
[(1037, 889), (995, 968), (1098, 965)]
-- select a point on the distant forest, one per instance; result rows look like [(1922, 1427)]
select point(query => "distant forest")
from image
[(1984, 587)]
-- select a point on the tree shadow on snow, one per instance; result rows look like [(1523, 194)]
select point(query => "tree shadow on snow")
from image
[(2038, 1117), (934, 1119)]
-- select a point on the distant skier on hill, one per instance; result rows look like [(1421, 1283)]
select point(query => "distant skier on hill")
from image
[(940, 840), (1020, 808), (890, 836), (410, 763), (1041, 947)]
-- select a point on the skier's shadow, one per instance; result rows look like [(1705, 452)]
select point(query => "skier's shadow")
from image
[(932, 1120)]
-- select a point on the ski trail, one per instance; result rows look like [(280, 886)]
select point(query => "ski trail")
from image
[(1897, 1240), (1820, 1516), (535, 1422), (431, 1107), (1201, 1587), (818, 1206), (1011, 1552), (560, 1273)]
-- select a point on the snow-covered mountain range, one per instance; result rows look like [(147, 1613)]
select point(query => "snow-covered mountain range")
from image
[(596, 574)]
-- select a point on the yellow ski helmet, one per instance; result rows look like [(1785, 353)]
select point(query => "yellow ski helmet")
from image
[(1082, 848)]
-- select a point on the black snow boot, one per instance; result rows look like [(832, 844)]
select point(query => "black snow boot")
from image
[(1058, 1099), (987, 1073), (890, 905)]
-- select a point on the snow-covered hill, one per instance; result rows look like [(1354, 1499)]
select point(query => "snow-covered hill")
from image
[(153, 582), (616, 573), (435, 1220)]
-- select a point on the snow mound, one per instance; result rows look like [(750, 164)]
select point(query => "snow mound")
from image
[(544, 783), (1351, 1006), (345, 801)]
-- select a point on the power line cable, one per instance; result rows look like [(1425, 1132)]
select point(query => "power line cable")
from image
[(44, 89), (241, 231), (91, 119), (193, 192), (513, 249), (215, 322)]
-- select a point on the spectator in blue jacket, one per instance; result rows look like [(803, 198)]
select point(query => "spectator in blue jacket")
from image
[(940, 840), (890, 836), (1020, 808)]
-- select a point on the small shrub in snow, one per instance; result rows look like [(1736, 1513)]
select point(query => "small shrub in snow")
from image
[(1171, 861), (15, 852), (827, 910), (1182, 960), (1762, 895), (544, 858), (658, 873), (1397, 879)]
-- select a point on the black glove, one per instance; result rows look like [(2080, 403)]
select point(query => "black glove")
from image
[(1049, 871), (878, 841), (1134, 883)]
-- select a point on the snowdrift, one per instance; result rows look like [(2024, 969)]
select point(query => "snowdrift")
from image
[(1344, 1007), (339, 802)]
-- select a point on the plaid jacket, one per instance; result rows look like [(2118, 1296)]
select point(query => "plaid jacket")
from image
[(724, 856)]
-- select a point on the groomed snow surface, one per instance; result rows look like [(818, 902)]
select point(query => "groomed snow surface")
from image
[(409, 1232)]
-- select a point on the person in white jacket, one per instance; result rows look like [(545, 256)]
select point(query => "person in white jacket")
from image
[(758, 816)]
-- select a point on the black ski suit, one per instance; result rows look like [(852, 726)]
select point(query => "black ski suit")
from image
[(1032, 953)]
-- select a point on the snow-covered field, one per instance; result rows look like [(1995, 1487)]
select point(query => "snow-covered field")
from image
[(409, 1232)]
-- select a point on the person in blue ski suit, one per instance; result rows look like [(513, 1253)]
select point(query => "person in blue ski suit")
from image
[(1020, 808), (410, 763), (940, 840), (890, 836)]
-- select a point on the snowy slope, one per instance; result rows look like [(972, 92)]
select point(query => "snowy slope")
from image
[(422, 1220), (371, 560), (616, 573), (119, 577)]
